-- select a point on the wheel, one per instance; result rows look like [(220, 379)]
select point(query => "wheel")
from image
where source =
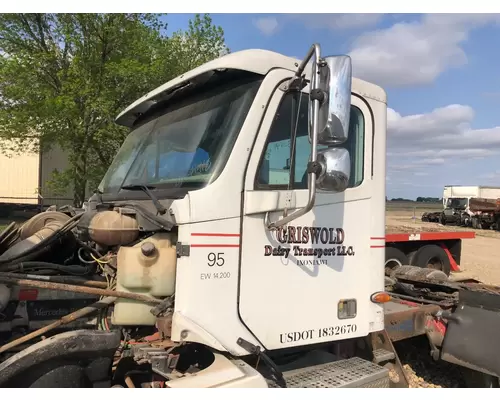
[(474, 223), (394, 258), (463, 219), (410, 255), (442, 219), (432, 256)]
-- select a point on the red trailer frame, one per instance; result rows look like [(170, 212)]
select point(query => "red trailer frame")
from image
[(409, 244)]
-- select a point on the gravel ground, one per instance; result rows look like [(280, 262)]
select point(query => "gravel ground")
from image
[(422, 371)]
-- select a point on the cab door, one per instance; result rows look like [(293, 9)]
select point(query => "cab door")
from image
[(306, 282)]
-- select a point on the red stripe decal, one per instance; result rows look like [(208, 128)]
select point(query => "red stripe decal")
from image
[(216, 234), (28, 294), (215, 245), (377, 247)]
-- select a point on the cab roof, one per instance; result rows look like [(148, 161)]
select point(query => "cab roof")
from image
[(254, 60)]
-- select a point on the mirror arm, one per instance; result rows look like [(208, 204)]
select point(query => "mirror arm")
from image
[(314, 50), (312, 166)]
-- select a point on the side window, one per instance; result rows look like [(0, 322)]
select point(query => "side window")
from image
[(276, 170)]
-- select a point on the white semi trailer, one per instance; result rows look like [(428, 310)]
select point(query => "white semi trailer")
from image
[(467, 192)]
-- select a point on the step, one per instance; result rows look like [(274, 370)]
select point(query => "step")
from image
[(353, 372), (382, 355)]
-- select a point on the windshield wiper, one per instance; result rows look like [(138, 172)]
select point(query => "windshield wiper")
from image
[(147, 189)]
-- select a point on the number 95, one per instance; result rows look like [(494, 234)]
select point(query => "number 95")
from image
[(215, 259)]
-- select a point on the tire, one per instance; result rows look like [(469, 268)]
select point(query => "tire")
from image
[(474, 223), (442, 219), (410, 255), (394, 258), (463, 220), (432, 256)]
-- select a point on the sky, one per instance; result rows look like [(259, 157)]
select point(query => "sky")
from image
[(439, 72)]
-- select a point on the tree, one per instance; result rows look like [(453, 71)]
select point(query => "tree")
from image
[(65, 77)]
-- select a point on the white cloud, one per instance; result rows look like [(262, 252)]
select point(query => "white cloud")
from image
[(415, 53), (444, 153), (429, 148), (446, 130), (267, 25)]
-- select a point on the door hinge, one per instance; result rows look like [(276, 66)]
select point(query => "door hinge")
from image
[(183, 250)]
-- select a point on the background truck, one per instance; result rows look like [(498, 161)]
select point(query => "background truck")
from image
[(195, 264), (457, 207), (484, 213)]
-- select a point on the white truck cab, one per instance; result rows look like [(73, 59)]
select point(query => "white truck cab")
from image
[(260, 183), (278, 253), (252, 273)]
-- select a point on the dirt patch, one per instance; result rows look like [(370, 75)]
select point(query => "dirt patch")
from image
[(422, 371), (480, 256)]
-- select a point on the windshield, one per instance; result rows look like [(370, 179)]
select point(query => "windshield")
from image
[(185, 145), (459, 203)]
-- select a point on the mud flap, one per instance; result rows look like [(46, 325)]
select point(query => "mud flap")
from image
[(75, 359), (472, 333)]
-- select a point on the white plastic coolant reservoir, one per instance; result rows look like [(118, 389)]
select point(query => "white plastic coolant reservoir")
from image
[(147, 268)]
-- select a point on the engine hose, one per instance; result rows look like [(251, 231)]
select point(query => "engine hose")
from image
[(34, 250), (72, 280), (40, 246), (30, 265)]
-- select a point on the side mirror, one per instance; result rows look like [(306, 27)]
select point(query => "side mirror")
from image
[(329, 113), (335, 169), (332, 84)]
